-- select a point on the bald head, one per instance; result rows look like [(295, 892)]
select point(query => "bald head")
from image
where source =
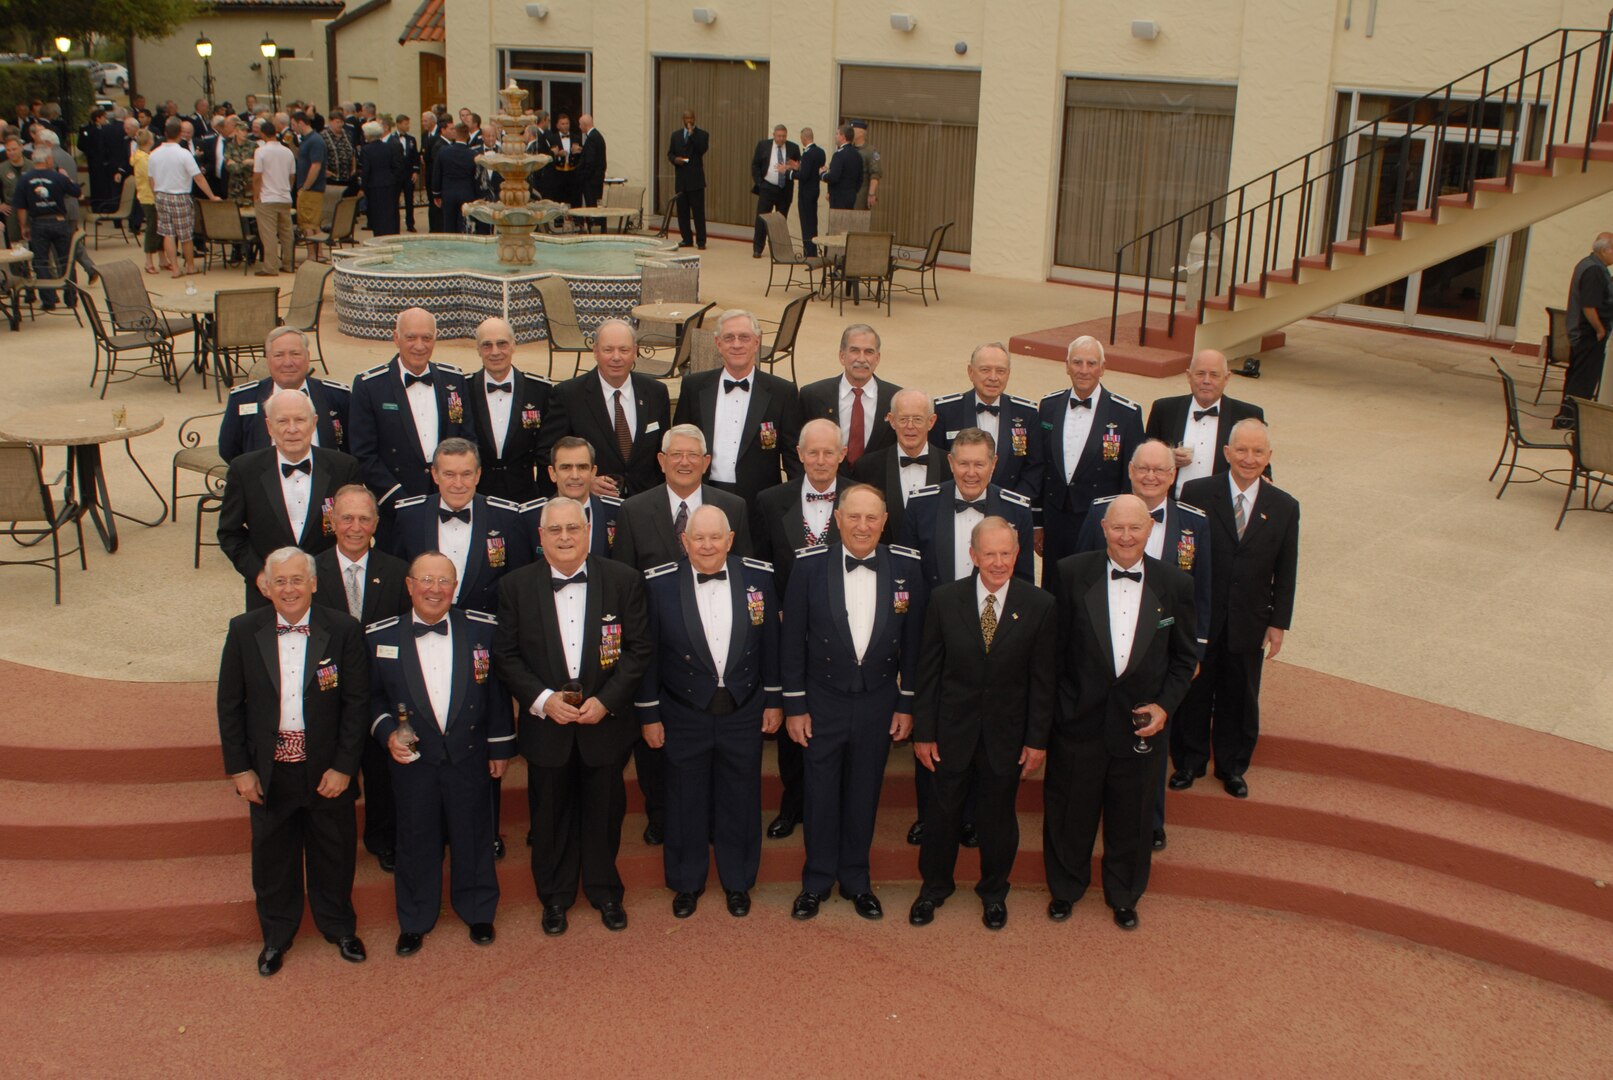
[(1126, 525), (495, 345), (707, 539), (415, 337)]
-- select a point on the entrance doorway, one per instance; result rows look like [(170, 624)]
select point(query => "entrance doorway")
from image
[(555, 82), (433, 81)]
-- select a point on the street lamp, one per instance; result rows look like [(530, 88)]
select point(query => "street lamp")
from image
[(64, 45), (204, 49), (269, 50)]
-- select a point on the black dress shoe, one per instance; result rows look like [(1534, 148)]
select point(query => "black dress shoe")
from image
[(1181, 780), (683, 905), (783, 825), (1159, 839), (498, 848), (481, 933), (688, 243), (922, 913), (702, 247), (269, 960), (1235, 787), (613, 916), (738, 903), (968, 837), (1126, 918), (409, 944), (915, 835), (867, 905), (350, 947), (554, 920), (805, 906), (995, 916), (1058, 910), (652, 834), (388, 860)]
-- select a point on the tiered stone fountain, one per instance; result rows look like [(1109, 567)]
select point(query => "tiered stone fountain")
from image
[(514, 216)]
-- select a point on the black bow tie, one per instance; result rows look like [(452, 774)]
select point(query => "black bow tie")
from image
[(701, 579), (960, 505), (304, 466), (922, 459), (283, 630), (729, 385), (409, 379), (852, 562), (1131, 575), (1158, 514), (501, 387), (445, 515), (1200, 414), (579, 578), (422, 629), (981, 406), (1080, 403)]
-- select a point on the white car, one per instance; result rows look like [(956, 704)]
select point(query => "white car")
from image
[(109, 75)]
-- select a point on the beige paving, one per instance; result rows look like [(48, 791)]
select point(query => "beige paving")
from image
[(1413, 577)]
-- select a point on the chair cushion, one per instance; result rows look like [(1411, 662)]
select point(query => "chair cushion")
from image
[(199, 459)]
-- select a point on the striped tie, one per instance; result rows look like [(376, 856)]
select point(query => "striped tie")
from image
[(1239, 519)]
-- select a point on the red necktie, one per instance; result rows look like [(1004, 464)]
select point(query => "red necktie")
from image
[(854, 443)]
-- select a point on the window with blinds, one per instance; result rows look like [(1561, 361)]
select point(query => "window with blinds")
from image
[(923, 122), (1135, 155), (729, 99)]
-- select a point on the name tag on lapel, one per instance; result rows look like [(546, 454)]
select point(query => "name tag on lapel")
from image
[(1166, 622), (389, 406), (386, 652), (249, 408), (654, 425)]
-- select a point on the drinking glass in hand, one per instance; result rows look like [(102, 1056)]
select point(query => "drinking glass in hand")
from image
[(1139, 720), (571, 694)]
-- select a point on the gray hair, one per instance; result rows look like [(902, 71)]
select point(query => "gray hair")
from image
[(1085, 341), (356, 491), (985, 525), (818, 423), (912, 392), (42, 156), (47, 136), (1253, 423), (281, 331), (683, 431), (286, 554), (973, 436), (623, 323), (982, 347), (1170, 457), (857, 328), (372, 130), (456, 446), (739, 313), (1602, 243), (296, 397), (559, 502)]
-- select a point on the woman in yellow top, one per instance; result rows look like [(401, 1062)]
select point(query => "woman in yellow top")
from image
[(143, 142)]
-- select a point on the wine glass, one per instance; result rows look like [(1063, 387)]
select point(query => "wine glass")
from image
[(1139, 720)]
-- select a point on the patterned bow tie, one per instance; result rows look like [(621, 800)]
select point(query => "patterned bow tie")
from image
[(304, 466), (1158, 514), (580, 578), (422, 629), (820, 496), (701, 579), (409, 379), (905, 461), (501, 387), (445, 515), (283, 630), (981, 406), (1080, 403), (1200, 414), (730, 385), (852, 563), (960, 505), (1130, 575)]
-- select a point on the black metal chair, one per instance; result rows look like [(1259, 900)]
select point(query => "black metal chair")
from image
[(1553, 347), (1540, 436), (113, 344), (198, 456), (1592, 446), (922, 267), (783, 343)]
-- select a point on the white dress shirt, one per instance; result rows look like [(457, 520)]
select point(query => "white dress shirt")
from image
[(436, 652), (717, 617), (343, 563), (293, 665), (988, 423), (1200, 437), (862, 588), (297, 489), (570, 608), (629, 406), (1077, 427), (816, 513), (423, 407), (498, 408), (962, 525), (1155, 546), (674, 500), (453, 540), (981, 592), (775, 165), (1125, 601), (729, 427), (913, 477), (870, 399)]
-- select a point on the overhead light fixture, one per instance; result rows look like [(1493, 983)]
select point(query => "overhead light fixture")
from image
[(204, 47), (268, 48), (1145, 29), (705, 16), (64, 45), (904, 23), (537, 11)]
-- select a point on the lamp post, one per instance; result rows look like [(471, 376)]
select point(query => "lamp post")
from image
[(269, 50), (64, 44), (204, 49)]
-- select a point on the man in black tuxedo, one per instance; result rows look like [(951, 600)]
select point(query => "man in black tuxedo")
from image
[(431, 141), (453, 178), (687, 153), (853, 622), (510, 406), (539, 182), (1089, 434), (281, 496), (591, 162), (367, 584), (856, 401), (285, 353), (1197, 425), (573, 642), (411, 165), (433, 671), (571, 474), (710, 693), (900, 470), (404, 408), (772, 173), (987, 681), (845, 173), (292, 756), (1011, 421), (807, 183), (1126, 653), (1255, 559), (751, 419)]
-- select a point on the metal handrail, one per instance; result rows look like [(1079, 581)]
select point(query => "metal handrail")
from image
[(1308, 191)]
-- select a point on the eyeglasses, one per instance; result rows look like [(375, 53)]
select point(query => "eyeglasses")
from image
[(442, 582), (1153, 470), (292, 582), (562, 530), (729, 339)]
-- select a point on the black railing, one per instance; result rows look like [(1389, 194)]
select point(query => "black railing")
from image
[(1307, 197)]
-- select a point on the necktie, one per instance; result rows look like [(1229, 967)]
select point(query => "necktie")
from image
[(701, 579), (820, 496), (1239, 518), (304, 466), (355, 591), (624, 434), (501, 387), (905, 461), (988, 620), (854, 442), (409, 379), (284, 630), (1200, 414), (960, 505), (681, 521), (1080, 403), (1158, 514), (445, 515), (994, 410), (852, 562), (579, 578), (422, 629), (730, 385), (1130, 575)]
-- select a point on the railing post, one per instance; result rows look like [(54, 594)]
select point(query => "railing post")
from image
[(1557, 97), (1114, 311), (1148, 270), (1220, 254), (1303, 225), (1170, 321)]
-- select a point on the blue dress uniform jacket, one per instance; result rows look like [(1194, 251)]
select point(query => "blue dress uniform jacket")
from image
[(1068, 488), (479, 725), (383, 435), (1187, 547), (244, 428), (929, 520), (817, 645), (1020, 447), (602, 511), (499, 543)]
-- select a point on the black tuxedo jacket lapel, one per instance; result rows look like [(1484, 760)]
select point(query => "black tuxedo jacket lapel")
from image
[(1008, 617), (661, 522), (636, 383), (1149, 608), (319, 489), (691, 620), (708, 404), (795, 520), (277, 498), (461, 675), (760, 399), (593, 618), (318, 641), (837, 596), (476, 554), (549, 624), (741, 625), (269, 647), (412, 676), (1056, 450), (1096, 603), (946, 527), (882, 594), (594, 402), (1256, 514)]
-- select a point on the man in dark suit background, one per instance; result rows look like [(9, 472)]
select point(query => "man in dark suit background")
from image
[(986, 693), (900, 470), (591, 162), (845, 173), (857, 402), (772, 173), (710, 693), (571, 474), (383, 171), (431, 142), (807, 183), (510, 406), (1255, 557), (453, 178), (622, 413), (1197, 425), (750, 418), (281, 496), (411, 165), (573, 642), (292, 756), (1126, 653), (1011, 421), (286, 356), (687, 152)]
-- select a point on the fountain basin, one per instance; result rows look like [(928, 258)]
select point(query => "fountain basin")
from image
[(460, 280)]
